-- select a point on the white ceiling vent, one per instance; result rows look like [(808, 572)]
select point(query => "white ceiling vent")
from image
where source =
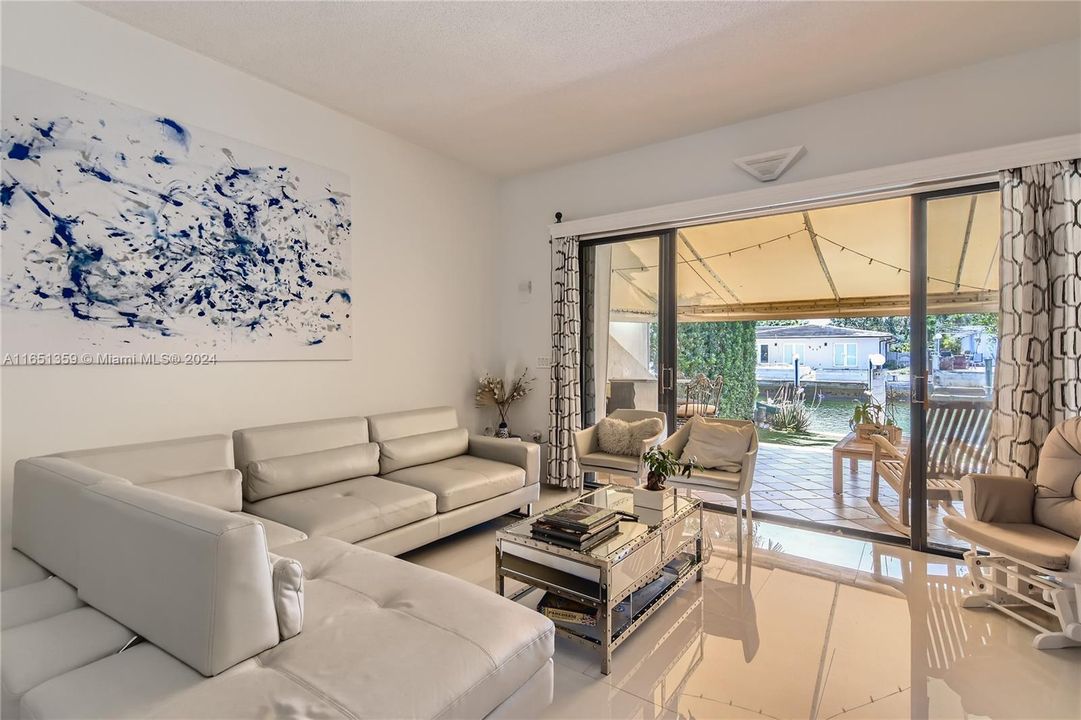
[(769, 165)]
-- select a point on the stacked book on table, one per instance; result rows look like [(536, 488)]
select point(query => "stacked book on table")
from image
[(580, 526)]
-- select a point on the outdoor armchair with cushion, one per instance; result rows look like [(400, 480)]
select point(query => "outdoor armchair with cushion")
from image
[(1031, 533), (736, 485), (592, 459)]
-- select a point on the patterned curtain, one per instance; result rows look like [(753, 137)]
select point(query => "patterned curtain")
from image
[(565, 401), (1038, 381)]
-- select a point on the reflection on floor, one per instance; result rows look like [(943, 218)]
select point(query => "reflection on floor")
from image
[(814, 626), (797, 483)]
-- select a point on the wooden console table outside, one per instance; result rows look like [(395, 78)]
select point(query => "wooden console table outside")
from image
[(852, 449)]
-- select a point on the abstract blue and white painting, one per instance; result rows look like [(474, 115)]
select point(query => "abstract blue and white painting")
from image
[(126, 231)]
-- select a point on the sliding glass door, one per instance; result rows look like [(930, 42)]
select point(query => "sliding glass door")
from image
[(861, 339), (956, 247), (626, 363)]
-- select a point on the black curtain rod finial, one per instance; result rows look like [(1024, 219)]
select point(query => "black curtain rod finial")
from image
[(559, 217)]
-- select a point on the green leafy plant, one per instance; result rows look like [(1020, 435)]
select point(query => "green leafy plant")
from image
[(870, 411), (663, 464)]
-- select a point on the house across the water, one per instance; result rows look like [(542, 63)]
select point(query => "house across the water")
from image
[(831, 359)]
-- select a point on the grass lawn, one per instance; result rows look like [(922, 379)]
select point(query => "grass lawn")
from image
[(776, 437)]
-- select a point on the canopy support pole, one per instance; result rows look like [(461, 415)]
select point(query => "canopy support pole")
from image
[(821, 257), (964, 245), (710, 270)]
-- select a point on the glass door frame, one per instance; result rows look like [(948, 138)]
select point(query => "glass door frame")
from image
[(666, 318), (919, 372)]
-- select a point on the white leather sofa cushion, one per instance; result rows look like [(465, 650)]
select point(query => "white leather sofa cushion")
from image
[(194, 580), (217, 488), (462, 480), (287, 577), (145, 682), (460, 648), (41, 650), (424, 448), (125, 685), (37, 601), (389, 426), (276, 533), (148, 462), (271, 441), (16, 569), (280, 475), (351, 510), (47, 502)]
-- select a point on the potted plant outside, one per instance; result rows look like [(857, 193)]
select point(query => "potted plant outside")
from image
[(662, 464), (870, 417)]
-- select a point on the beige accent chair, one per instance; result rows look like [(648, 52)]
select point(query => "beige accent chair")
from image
[(734, 485), (1031, 533), (592, 459)]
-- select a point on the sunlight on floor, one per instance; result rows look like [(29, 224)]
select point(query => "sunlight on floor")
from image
[(809, 625)]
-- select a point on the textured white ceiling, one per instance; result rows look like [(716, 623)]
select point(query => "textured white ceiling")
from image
[(511, 87)]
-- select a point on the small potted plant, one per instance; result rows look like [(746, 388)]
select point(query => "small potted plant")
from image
[(662, 464), (493, 391), (870, 417)]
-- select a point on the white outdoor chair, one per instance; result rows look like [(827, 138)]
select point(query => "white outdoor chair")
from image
[(592, 459), (732, 484)]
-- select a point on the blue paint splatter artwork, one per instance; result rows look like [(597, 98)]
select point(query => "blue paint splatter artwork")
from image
[(129, 231)]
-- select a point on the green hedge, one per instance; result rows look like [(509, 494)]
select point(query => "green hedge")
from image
[(721, 348)]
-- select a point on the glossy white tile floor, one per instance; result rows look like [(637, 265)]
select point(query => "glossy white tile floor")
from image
[(814, 626)]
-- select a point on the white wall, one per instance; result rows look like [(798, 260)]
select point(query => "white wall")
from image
[(1024, 97), (423, 231)]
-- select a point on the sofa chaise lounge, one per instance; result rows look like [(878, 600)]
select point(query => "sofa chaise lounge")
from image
[(156, 594)]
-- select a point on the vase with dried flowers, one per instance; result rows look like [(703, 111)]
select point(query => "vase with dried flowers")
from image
[(493, 391)]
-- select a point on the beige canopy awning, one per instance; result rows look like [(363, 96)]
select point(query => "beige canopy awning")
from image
[(851, 260)]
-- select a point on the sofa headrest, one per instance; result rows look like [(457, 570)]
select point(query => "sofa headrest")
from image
[(1058, 480), (47, 505), (275, 441), (390, 426), (153, 461), (193, 580)]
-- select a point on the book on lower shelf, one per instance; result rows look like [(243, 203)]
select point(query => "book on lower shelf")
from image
[(583, 617), (561, 609)]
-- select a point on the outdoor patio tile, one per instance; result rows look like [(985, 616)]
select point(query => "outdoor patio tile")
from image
[(803, 494), (826, 503), (819, 515), (796, 505), (851, 513)]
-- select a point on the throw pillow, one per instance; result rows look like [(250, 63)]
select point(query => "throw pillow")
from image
[(716, 445), (619, 437)]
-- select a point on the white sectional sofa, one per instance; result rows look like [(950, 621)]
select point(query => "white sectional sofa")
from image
[(163, 600)]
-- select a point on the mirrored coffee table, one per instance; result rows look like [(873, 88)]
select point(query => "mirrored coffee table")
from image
[(625, 579)]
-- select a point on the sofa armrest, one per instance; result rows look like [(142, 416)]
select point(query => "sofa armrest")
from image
[(650, 442), (998, 498), (585, 442), (525, 455), (678, 440)]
